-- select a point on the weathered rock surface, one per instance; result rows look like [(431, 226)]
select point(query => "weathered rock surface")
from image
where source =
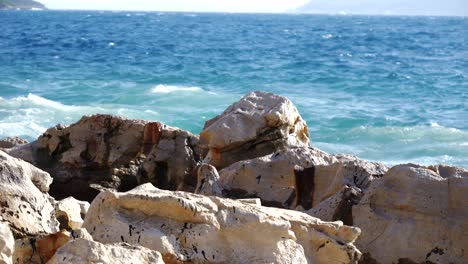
[(24, 203), (84, 251), (70, 213), (415, 214), (208, 181), (11, 142), (40, 249), (109, 152), (297, 177), (171, 162), (200, 229), (259, 124), (6, 244)]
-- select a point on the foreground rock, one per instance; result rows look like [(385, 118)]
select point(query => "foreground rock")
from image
[(259, 124), (6, 244), (188, 227), (84, 251), (24, 203), (108, 152), (415, 215)]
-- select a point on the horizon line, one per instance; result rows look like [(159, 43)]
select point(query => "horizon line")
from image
[(287, 12)]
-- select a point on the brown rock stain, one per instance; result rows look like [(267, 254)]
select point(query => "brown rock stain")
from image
[(47, 246)]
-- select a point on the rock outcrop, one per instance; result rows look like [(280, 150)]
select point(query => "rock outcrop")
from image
[(260, 145), (24, 203), (109, 152), (12, 142), (84, 251), (259, 124), (199, 229), (297, 177), (6, 244), (415, 215)]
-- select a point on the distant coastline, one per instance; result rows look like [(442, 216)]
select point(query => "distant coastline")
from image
[(21, 5)]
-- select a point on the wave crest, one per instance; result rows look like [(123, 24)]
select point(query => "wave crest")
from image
[(164, 89)]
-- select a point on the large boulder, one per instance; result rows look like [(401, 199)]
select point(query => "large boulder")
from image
[(6, 244), (24, 202), (109, 152), (297, 177), (259, 124), (187, 227), (415, 215), (82, 251)]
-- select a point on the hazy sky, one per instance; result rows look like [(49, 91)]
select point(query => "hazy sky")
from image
[(421, 7)]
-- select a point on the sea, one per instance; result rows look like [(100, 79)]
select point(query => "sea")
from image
[(392, 89)]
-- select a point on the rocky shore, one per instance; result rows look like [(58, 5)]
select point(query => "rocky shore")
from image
[(248, 189)]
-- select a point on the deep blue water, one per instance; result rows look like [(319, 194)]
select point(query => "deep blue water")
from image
[(391, 89)]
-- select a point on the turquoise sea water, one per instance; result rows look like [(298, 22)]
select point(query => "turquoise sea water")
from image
[(391, 89)]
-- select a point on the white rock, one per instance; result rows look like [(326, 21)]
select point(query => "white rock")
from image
[(415, 214), (82, 251), (259, 124), (25, 205), (297, 177), (6, 244), (70, 213), (201, 229)]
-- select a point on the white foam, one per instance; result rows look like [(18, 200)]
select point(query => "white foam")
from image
[(31, 115), (164, 89)]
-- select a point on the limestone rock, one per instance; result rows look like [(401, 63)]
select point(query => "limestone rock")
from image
[(24, 203), (208, 181), (107, 152), (259, 124), (84, 251), (171, 162), (11, 142), (297, 177), (71, 212), (415, 214), (339, 206), (40, 249), (201, 229), (6, 244)]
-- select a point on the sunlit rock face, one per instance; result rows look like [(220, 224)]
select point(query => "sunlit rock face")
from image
[(24, 202), (200, 229), (415, 213), (259, 124)]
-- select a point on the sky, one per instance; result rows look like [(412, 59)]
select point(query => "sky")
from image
[(393, 7)]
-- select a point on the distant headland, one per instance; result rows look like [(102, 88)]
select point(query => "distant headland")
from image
[(21, 4)]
